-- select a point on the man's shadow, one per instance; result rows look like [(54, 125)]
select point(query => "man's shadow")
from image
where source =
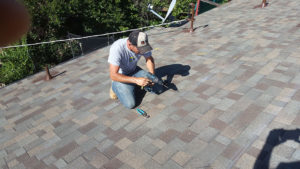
[(166, 74), (275, 138)]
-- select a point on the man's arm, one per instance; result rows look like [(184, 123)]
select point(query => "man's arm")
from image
[(150, 64), (115, 76)]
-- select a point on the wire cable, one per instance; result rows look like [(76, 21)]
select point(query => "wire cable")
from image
[(91, 36)]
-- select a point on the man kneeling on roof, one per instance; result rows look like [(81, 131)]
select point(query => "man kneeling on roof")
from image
[(125, 74)]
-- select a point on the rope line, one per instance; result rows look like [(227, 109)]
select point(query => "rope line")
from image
[(91, 36)]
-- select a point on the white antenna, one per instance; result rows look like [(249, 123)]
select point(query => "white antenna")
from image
[(171, 7), (150, 8)]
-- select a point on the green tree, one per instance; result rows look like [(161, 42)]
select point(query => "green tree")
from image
[(16, 64), (53, 19)]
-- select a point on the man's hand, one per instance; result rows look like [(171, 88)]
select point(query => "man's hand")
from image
[(141, 81)]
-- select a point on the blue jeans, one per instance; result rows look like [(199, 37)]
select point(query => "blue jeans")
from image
[(126, 91)]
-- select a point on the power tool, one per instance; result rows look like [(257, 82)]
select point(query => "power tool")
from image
[(155, 80)]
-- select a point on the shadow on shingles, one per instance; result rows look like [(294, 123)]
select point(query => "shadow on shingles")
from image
[(43, 76), (177, 31), (274, 139), (203, 26), (140, 94), (166, 73), (194, 28)]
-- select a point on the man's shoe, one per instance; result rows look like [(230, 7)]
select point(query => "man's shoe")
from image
[(112, 94)]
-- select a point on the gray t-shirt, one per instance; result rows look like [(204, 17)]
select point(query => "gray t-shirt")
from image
[(121, 56)]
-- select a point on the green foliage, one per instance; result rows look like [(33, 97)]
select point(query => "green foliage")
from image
[(53, 19), (181, 8), (16, 64)]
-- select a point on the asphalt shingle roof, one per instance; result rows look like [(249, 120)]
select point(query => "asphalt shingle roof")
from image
[(235, 84)]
